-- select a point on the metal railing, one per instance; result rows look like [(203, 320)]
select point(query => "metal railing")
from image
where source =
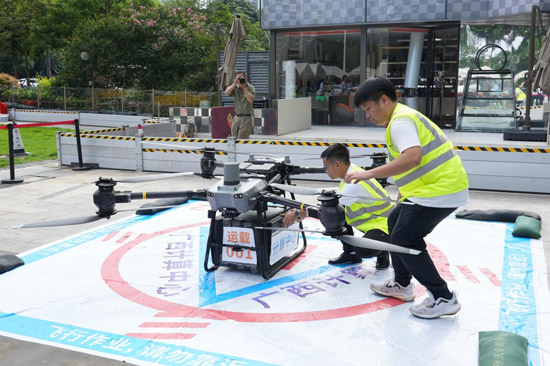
[(152, 102)]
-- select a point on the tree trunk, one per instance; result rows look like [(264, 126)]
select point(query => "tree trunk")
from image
[(48, 64), (27, 67), (15, 64)]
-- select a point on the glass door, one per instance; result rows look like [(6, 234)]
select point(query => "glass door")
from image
[(387, 55), (442, 75)]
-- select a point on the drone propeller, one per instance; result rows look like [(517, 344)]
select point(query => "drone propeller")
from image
[(62, 222), (194, 148), (288, 229), (355, 156), (376, 245), (313, 191), (355, 241), (137, 179), (82, 219), (307, 191)]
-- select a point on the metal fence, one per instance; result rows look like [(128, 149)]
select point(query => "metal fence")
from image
[(149, 102)]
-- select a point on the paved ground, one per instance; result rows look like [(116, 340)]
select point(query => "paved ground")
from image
[(45, 178)]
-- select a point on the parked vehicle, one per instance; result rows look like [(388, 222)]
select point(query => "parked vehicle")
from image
[(32, 84)]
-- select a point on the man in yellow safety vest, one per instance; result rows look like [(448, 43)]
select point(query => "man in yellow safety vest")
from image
[(369, 217), (429, 174)]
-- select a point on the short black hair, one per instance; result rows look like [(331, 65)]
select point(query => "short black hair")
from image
[(240, 72), (373, 89), (336, 152)]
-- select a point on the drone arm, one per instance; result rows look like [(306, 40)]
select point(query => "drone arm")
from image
[(294, 170), (312, 210), (126, 196)]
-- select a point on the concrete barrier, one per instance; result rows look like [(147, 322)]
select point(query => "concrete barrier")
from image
[(515, 169), (33, 115)]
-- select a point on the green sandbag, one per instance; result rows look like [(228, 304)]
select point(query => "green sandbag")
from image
[(502, 348), (527, 227)]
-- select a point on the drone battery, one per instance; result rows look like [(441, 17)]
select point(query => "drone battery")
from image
[(236, 244)]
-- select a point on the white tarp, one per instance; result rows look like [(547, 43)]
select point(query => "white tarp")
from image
[(136, 290)]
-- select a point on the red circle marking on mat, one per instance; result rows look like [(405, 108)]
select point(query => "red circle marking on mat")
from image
[(113, 278)]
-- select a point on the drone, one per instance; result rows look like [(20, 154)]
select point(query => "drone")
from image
[(247, 204)]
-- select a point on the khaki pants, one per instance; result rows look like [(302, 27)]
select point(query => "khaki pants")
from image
[(241, 127)]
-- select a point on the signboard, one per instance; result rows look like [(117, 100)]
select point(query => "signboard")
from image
[(283, 243), (243, 237), (18, 148)]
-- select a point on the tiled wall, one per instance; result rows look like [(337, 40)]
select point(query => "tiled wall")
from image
[(404, 11), (290, 13), (303, 13), (265, 120)]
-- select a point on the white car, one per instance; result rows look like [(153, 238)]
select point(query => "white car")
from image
[(33, 83)]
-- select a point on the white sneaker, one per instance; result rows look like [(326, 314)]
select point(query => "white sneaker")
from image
[(394, 289), (430, 308)]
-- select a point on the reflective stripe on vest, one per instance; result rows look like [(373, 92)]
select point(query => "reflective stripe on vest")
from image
[(426, 168), (371, 215)]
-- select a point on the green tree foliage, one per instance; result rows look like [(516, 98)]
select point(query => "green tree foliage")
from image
[(130, 43), (160, 47), (224, 11), (513, 39)]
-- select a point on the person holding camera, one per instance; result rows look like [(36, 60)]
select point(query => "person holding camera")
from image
[(244, 93)]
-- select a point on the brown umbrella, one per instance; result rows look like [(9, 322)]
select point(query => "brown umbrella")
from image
[(542, 67), (226, 73)]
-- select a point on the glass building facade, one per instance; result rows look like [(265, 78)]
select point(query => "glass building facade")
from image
[(326, 54)]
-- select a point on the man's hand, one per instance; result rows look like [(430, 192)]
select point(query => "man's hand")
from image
[(236, 81), (293, 216), (355, 177)]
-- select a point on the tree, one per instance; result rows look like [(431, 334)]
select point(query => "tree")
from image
[(224, 11), (160, 47)]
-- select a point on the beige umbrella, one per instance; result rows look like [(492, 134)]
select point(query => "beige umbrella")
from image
[(542, 67), (226, 73)]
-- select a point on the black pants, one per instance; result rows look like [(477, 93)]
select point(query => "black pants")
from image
[(408, 225), (375, 234)]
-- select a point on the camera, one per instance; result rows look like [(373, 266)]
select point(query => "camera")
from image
[(242, 80)]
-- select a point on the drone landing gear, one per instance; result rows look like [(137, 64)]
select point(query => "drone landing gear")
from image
[(234, 243)]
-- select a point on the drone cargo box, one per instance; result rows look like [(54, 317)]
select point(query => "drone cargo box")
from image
[(235, 243)]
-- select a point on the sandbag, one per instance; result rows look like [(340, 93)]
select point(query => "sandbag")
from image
[(502, 348), (149, 208), (9, 262), (527, 227), (495, 215)]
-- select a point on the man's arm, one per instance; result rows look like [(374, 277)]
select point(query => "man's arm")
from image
[(249, 94), (230, 89), (409, 159)]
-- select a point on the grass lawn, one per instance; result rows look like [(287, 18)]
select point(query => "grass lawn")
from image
[(40, 142)]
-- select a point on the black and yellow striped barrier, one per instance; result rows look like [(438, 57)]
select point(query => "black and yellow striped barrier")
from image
[(532, 107), (296, 143), (503, 149), (101, 137), (43, 111), (103, 131), (181, 151)]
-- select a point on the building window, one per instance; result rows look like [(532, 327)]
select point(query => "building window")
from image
[(322, 65)]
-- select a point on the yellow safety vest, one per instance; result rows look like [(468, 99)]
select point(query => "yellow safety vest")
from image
[(520, 94), (372, 214), (440, 171)]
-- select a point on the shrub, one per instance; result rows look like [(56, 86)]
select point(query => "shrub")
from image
[(8, 81)]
